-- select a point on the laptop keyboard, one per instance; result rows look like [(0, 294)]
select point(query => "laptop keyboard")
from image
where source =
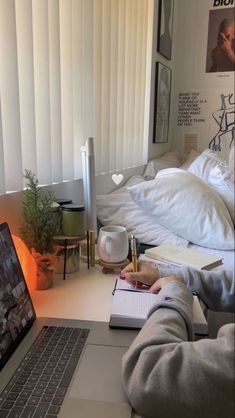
[(38, 387)]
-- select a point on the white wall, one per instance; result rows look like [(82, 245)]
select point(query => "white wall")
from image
[(190, 54)]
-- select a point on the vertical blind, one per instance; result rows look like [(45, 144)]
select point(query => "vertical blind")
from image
[(71, 69)]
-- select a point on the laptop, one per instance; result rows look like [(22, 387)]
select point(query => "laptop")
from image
[(55, 367)]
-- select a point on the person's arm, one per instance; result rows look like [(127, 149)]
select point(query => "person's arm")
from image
[(216, 289), (165, 374)]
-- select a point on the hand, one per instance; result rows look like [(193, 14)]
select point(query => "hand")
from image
[(159, 284), (146, 275), (225, 43)]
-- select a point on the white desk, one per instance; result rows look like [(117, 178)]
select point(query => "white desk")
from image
[(85, 294)]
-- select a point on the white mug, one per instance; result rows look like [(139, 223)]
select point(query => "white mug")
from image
[(112, 244)]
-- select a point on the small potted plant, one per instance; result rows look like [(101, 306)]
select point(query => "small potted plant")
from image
[(38, 228)]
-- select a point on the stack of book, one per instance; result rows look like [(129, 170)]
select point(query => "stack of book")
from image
[(180, 256)]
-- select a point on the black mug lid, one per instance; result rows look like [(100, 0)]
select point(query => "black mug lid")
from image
[(73, 207), (64, 201)]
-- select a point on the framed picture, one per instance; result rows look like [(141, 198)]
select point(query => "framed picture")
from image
[(162, 103), (165, 28)]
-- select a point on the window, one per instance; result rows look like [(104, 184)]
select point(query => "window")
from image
[(71, 69)]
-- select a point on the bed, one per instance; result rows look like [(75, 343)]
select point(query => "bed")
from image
[(188, 203)]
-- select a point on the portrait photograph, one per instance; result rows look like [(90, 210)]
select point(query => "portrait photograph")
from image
[(221, 41), (165, 28), (162, 103)]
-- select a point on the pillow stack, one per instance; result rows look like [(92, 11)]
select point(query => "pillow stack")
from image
[(215, 172), (188, 206)]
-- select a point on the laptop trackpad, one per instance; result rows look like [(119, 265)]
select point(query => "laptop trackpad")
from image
[(96, 390), (99, 374)]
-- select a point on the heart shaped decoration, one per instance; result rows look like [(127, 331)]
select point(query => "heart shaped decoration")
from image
[(117, 178)]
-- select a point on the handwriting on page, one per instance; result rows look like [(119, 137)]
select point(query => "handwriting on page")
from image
[(135, 304)]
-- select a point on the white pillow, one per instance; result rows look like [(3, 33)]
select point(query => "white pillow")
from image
[(118, 208), (215, 172), (186, 206), (167, 160)]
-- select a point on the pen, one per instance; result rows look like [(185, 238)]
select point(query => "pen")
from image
[(134, 256), (88, 249), (92, 247)]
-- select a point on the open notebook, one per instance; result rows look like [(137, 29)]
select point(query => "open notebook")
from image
[(130, 308)]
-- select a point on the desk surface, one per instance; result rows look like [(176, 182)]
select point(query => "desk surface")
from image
[(85, 294)]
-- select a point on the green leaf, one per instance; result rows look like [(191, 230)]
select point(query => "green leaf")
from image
[(39, 225)]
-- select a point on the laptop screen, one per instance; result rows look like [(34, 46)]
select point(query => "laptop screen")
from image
[(16, 309)]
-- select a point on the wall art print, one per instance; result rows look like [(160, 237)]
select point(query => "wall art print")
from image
[(225, 119), (165, 28), (162, 103)]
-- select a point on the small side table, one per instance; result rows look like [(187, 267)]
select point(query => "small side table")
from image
[(65, 240)]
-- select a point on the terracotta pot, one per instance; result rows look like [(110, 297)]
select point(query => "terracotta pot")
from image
[(44, 277)]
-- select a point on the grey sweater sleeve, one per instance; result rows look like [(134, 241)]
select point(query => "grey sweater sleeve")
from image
[(216, 289), (165, 374)]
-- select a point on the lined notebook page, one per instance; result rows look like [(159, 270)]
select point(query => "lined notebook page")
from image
[(132, 304)]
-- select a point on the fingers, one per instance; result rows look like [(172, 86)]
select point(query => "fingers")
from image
[(221, 39), (146, 275), (222, 36), (135, 279), (156, 287), (127, 269), (159, 284)]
